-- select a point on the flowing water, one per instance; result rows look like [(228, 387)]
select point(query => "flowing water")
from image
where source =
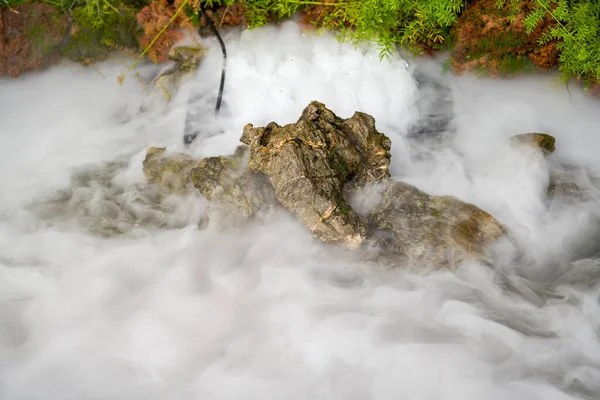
[(109, 292)]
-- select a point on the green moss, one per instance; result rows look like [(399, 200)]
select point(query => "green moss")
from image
[(95, 38), (511, 64), (576, 34), (338, 164)]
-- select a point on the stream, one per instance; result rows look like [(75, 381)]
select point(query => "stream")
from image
[(108, 292)]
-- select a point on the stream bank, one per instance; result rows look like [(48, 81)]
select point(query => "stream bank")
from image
[(483, 37)]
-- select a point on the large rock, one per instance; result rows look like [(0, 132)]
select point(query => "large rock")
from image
[(314, 168), (238, 192), (235, 193), (411, 225), (312, 161)]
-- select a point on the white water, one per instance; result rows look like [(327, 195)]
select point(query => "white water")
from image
[(169, 311)]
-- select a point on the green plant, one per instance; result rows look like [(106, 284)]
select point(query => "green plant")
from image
[(411, 23), (576, 33), (101, 27)]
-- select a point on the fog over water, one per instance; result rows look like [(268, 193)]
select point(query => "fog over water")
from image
[(107, 293)]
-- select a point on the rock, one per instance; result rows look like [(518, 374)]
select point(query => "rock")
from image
[(311, 162), (226, 181), (543, 141), (30, 34), (311, 168), (410, 224), (565, 183), (171, 171), (235, 192), (568, 183), (187, 59)]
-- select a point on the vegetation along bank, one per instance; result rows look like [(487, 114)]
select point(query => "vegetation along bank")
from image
[(493, 37)]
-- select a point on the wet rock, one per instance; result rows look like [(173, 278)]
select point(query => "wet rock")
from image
[(316, 168), (543, 141), (187, 59), (311, 162), (99, 205), (235, 193), (226, 181), (569, 184), (171, 171), (409, 224), (565, 182)]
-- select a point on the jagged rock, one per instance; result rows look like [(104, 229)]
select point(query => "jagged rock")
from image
[(312, 161), (227, 181), (171, 171), (543, 141), (312, 167), (410, 224)]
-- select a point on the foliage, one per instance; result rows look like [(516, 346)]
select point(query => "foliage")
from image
[(100, 27), (577, 34), (411, 23)]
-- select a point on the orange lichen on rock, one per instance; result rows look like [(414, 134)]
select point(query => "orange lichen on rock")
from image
[(29, 35)]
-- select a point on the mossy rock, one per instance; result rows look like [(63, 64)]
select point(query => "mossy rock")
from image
[(441, 230), (171, 171), (312, 162), (546, 143), (237, 192)]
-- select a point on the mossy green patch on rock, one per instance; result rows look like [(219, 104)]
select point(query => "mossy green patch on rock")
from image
[(93, 38)]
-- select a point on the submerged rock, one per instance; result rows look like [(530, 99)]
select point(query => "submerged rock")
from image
[(171, 171), (565, 182), (224, 180), (546, 143), (312, 161), (187, 59), (411, 224)]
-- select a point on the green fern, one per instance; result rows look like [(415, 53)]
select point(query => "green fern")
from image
[(576, 33)]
